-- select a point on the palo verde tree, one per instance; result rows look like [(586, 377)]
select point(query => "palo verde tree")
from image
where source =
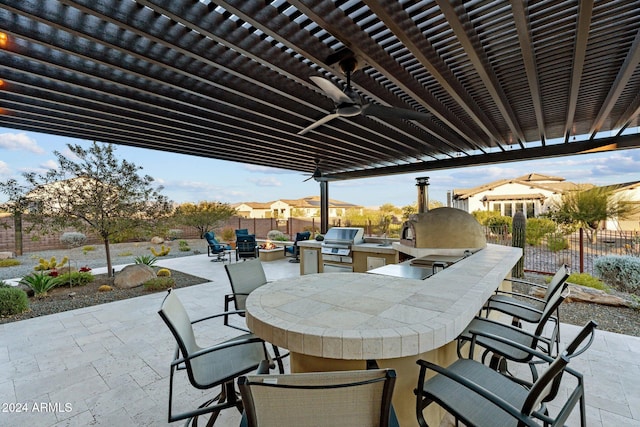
[(16, 204), (588, 208), (203, 216), (94, 192)]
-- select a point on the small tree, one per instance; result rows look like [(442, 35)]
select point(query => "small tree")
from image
[(96, 193), (588, 208), (16, 204), (203, 216)]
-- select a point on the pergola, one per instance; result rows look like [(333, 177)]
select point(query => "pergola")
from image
[(496, 81)]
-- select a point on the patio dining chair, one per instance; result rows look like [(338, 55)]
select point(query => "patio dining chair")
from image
[(479, 396), (523, 307), (318, 399), (501, 353), (244, 278), (209, 367)]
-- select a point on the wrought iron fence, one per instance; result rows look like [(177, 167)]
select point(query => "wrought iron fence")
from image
[(578, 250)]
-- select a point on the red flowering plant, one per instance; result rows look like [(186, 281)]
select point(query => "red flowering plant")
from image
[(85, 269), (53, 272)]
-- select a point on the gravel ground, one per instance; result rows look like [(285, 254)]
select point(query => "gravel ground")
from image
[(621, 320), (121, 253), (614, 319)]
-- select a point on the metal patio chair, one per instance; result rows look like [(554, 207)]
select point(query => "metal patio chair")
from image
[(209, 367), (244, 278), (479, 396), (318, 399), (523, 307)]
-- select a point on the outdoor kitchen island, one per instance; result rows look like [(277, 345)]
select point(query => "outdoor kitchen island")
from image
[(339, 321)]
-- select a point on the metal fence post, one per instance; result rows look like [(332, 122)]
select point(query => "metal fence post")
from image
[(581, 250)]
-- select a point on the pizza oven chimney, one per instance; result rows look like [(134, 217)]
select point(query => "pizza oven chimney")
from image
[(423, 194)]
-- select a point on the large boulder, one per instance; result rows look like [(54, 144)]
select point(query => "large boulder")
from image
[(6, 255), (156, 240), (133, 276)]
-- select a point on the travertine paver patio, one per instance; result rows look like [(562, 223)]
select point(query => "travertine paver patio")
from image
[(109, 364)]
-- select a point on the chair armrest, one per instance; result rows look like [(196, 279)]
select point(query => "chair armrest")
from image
[(213, 316), (526, 282), (517, 294), (534, 353), (217, 347), (474, 387), (515, 304)]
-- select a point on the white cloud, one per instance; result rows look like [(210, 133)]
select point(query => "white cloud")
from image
[(49, 164), (4, 169), (265, 169), (267, 181), (18, 142)]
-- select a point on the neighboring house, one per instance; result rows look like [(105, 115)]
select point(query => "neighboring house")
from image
[(628, 191), (286, 208), (532, 194)]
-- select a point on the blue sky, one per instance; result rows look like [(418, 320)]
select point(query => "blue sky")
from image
[(193, 179)]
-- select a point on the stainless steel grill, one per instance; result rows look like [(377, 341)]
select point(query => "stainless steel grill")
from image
[(337, 246)]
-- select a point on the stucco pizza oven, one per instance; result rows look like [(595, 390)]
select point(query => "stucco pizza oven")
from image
[(442, 231)]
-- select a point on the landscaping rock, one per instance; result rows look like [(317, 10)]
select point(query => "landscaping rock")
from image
[(133, 276), (584, 294), (157, 240), (6, 255)]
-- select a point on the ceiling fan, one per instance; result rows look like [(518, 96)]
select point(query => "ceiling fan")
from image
[(317, 173), (348, 102)]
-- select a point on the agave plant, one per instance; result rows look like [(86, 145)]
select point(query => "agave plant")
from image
[(149, 260), (40, 283)]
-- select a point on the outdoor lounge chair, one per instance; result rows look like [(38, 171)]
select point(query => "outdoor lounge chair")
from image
[(208, 367), (246, 245), (214, 247), (294, 250), (501, 353), (526, 307), (244, 278), (479, 396), (344, 398)]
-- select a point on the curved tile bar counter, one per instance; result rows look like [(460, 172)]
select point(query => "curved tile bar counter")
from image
[(339, 320)]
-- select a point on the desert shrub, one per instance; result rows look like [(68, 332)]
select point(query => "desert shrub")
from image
[(73, 239), (9, 262), (183, 246), (125, 253), (159, 284), (228, 234), (50, 264), (622, 272), (88, 248), (13, 301), (40, 283), (499, 224), (174, 234), (537, 228), (276, 235), (105, 288), (75, 278), (557, 242), (483, 216), (163, 272), (587, 280), (149, 260), (164, 250)]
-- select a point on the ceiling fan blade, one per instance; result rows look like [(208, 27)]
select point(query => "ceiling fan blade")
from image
[(392, 112), (320, 122), (331, 90)]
